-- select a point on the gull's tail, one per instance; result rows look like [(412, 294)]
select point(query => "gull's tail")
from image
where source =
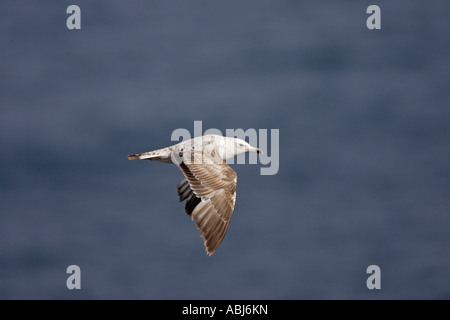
[(137, 156), (163, 155)]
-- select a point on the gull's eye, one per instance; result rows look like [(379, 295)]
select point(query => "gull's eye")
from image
[(241, 145)]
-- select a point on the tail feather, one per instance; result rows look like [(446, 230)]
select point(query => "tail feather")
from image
[(134, 156), (142, 156), (162, 155)]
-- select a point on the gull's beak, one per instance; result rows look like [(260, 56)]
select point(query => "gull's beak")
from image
[(257, 150)]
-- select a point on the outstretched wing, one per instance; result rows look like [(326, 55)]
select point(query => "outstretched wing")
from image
[(211, 192)]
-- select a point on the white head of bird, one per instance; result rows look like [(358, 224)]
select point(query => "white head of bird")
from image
[(236, 146)]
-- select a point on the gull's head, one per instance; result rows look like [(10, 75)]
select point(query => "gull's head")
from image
[(236, 146)]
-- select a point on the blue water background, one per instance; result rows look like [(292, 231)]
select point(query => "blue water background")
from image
[(364, 172)]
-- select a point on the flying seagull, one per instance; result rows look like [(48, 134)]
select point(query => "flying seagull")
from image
[(209, 185)]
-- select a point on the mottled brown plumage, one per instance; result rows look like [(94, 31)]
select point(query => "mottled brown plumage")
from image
[(209, 187)]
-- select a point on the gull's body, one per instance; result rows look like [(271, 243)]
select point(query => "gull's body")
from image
[(209, 185)]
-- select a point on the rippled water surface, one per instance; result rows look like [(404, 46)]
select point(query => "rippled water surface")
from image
[(364, 148)]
